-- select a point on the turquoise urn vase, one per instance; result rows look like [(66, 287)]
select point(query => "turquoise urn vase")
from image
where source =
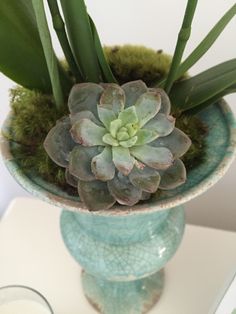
[(123, 255), (123, 250)]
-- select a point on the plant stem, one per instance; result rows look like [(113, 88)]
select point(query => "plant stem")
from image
[(59, 27), (183, 37), (207, 42), (105, 68), (81, 39), (48, 52)]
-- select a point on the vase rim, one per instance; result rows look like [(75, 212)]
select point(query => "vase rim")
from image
[(120, 210)]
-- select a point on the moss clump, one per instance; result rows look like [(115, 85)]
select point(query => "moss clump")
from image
[(130, 63), (197, 131), (34, 115)]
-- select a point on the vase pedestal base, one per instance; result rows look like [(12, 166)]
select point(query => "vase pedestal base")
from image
[(126, 297)]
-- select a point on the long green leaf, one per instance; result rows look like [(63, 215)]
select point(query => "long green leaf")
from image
[(48, 52), (105, 68), (81, 39), (59, 27), (213, 100), (203, 87), (207, 42), (21, 54), (183, 38)]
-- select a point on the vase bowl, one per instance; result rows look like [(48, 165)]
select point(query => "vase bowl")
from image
[(123, 250)]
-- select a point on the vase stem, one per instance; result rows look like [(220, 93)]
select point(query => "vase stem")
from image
[(127, 297)]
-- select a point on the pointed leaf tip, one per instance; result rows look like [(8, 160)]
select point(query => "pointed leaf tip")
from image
[(122, 159), (133, 90), (102, 165), (147, 106), (123, 191), (145, 178), (154, 157), (174, 176), (113, 98)]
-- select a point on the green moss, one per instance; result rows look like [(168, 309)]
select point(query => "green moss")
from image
[(35, 114), (196, 130), (129, 63)]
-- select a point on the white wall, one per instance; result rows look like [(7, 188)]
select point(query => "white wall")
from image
[(155, 24)]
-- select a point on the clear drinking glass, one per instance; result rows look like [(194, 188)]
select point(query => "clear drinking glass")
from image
[(23, 300)]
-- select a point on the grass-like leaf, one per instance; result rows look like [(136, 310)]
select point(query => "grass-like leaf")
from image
[(213, 100), (59, 27), (49, 52), (21, 54), (105, 68), (81, 39), (204, 87)]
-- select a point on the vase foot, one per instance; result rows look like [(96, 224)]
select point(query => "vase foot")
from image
[(129, 297)]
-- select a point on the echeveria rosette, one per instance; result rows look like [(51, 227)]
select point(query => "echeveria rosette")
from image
[(119, 143)]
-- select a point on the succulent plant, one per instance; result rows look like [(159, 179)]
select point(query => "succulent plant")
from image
[(119, 143)]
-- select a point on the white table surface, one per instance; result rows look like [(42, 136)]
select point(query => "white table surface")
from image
[(32, 253)]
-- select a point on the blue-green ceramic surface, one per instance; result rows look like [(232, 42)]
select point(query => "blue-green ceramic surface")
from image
[(123, 255), (123, 249)]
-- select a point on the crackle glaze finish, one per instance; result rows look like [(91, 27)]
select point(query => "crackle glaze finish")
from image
[(122, 256), (122, 249)]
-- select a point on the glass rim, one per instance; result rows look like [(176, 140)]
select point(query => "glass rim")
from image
[(29, 289)]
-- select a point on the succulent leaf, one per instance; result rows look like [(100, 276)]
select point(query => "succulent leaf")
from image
[(154, 157), (80, 162), (177, 142), (102, 165), (75, 117), (133, 90), (145, 136), (115, 126), (110, 140), (122, 159), (162, 124), (129, 142), (145, 196), (132, 128), (58, 143), (123, 191), (113, 98), (87, 133), (95, 195), (165, 101), (173, 176), (128, 115), (123, 134), (147, 106), (83, 97), (70, 179), (106, 116), (145, 178)]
